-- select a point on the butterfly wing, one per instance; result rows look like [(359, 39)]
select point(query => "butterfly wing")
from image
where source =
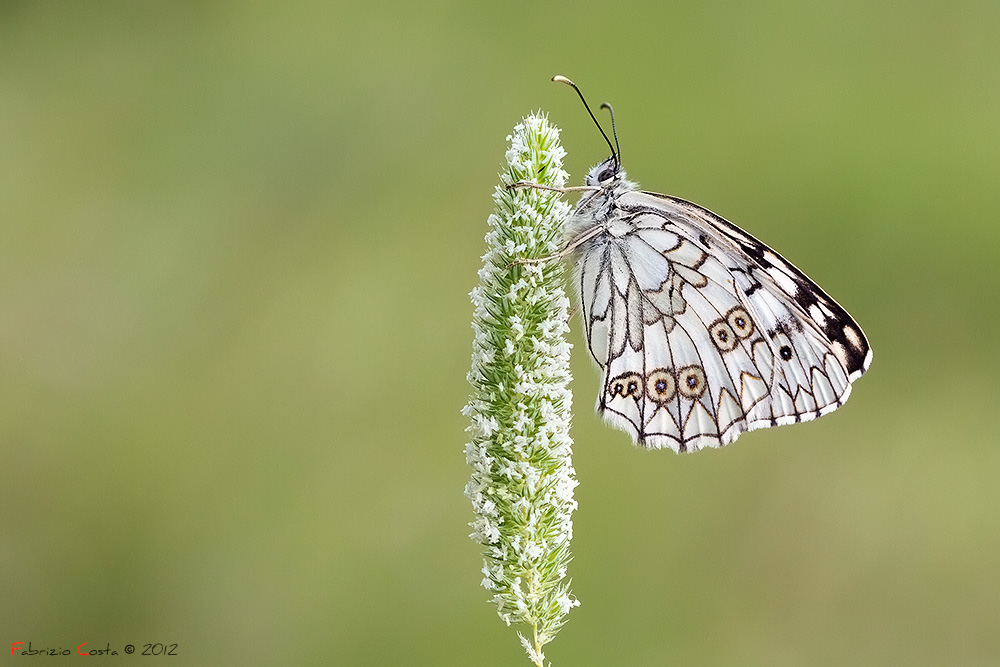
[(704, 333)]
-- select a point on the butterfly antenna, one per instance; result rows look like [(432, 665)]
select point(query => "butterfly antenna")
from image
[(562, 79), (614, 131)]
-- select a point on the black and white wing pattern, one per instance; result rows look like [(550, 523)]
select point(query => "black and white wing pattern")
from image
[(701, 331)]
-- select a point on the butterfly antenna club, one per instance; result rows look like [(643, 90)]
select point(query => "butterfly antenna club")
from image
[(562, 79), (614, 132)]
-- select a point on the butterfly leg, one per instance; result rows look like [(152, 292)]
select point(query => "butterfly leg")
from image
[(565, 250), (535, 186)]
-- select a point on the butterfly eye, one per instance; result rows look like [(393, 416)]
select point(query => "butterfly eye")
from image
[(606, 174)]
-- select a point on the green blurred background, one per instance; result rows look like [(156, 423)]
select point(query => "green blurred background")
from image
[(237, 243)]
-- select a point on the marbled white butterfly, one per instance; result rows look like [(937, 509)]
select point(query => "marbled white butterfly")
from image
[(701, 331)]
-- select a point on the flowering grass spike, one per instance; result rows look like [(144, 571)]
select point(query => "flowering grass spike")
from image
[(520, 449)]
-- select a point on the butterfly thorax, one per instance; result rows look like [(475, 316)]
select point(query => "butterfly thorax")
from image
[(598, 208)]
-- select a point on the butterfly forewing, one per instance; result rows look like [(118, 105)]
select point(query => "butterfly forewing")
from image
[(701, 331)]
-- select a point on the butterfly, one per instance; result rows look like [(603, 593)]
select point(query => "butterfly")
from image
[(701, 331)]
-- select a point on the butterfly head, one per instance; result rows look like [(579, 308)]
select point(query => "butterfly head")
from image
[(606, 174)]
